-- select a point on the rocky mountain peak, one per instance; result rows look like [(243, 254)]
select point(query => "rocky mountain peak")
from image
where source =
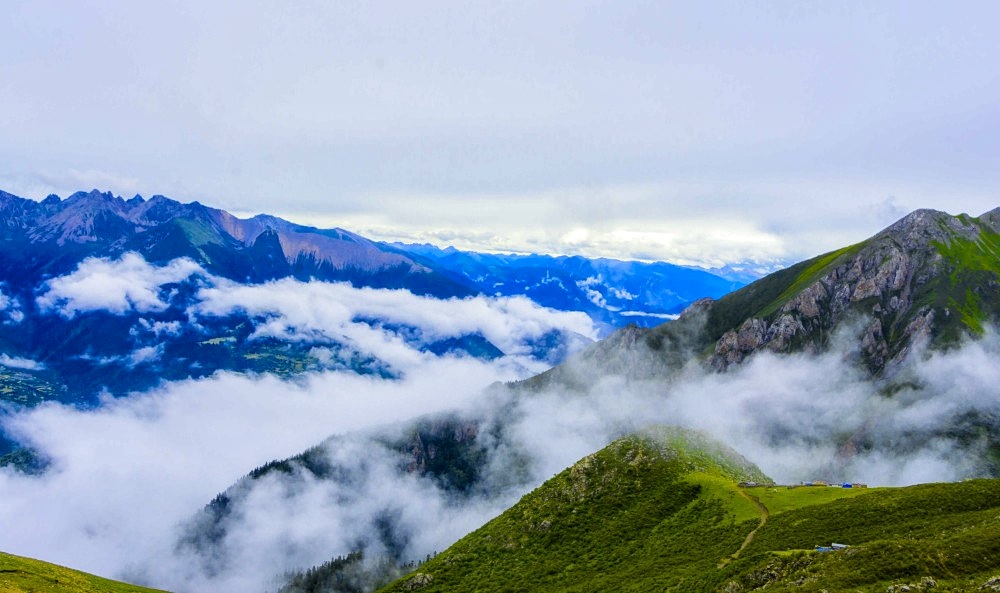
[(922, 278), (921, 227), (991, 219)]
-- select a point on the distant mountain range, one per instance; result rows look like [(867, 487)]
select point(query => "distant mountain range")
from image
[(99, 294), (43, 239), (614, 293), (49, 238)]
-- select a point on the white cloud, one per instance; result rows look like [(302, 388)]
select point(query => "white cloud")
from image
[(125, 475), (10, 307), (120, 286), (297, 310), (15, 362)]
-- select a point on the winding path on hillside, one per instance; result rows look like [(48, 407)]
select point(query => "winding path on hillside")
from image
[(746, 542)]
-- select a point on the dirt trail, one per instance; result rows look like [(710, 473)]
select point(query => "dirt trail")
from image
[(746, 542)]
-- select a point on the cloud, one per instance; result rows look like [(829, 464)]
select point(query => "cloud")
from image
[(543, 122), (803, 417), (365, 317), (10, 307), (395, 326), (15, 362), (126, 285), (127, 475)]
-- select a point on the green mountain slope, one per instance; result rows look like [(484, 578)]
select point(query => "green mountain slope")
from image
[(24, 575), (664, 512), (641, 506)]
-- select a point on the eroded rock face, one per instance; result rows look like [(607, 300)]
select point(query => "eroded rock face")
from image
[(418, 581), (871, 288)]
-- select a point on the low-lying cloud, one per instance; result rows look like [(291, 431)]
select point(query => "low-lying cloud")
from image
[(118, 286), (126, 477), (394, 326), (300, 310)]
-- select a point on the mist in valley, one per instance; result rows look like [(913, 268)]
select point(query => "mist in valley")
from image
[(129, 480)]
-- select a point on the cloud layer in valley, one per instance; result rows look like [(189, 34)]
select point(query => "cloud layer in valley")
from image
[(126, 477), (392, 325)]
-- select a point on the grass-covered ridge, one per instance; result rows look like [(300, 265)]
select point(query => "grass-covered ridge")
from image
[(24, 575), (665, 513), (632, 512)]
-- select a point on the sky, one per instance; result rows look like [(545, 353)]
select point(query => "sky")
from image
[(700, 133)]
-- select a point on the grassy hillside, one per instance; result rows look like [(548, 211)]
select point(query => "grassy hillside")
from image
[(634, 513), (24, 575), (667, 514)]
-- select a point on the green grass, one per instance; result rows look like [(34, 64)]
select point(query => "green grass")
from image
[(24, 575), (198, 233), (779, 499), (739, 507), (816, 269), (639, 511), (645, 514), (949, 532)]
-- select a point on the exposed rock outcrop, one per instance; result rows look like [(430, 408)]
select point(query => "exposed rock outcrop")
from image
[(891, 289)]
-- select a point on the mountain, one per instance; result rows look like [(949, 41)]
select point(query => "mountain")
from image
[(447, 456), (49, 238), (24, 575), (747, 271), (929, 278), (927, 281), (102, 294), (614, 293), (668, 512)]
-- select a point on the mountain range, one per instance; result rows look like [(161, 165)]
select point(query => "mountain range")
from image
[(869, 359), (43, 243), (916, 292), (64, 339), (612, 292), (49, 238)]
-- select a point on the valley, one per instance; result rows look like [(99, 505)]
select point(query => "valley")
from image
[(326, 428)]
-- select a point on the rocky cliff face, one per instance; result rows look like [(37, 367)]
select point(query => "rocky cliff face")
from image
[(929, 279), (907, 285)]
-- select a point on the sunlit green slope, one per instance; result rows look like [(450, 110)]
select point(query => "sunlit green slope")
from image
[(665, 512), (24, 575)]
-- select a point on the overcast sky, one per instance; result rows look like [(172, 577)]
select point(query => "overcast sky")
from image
[(695, 132)]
